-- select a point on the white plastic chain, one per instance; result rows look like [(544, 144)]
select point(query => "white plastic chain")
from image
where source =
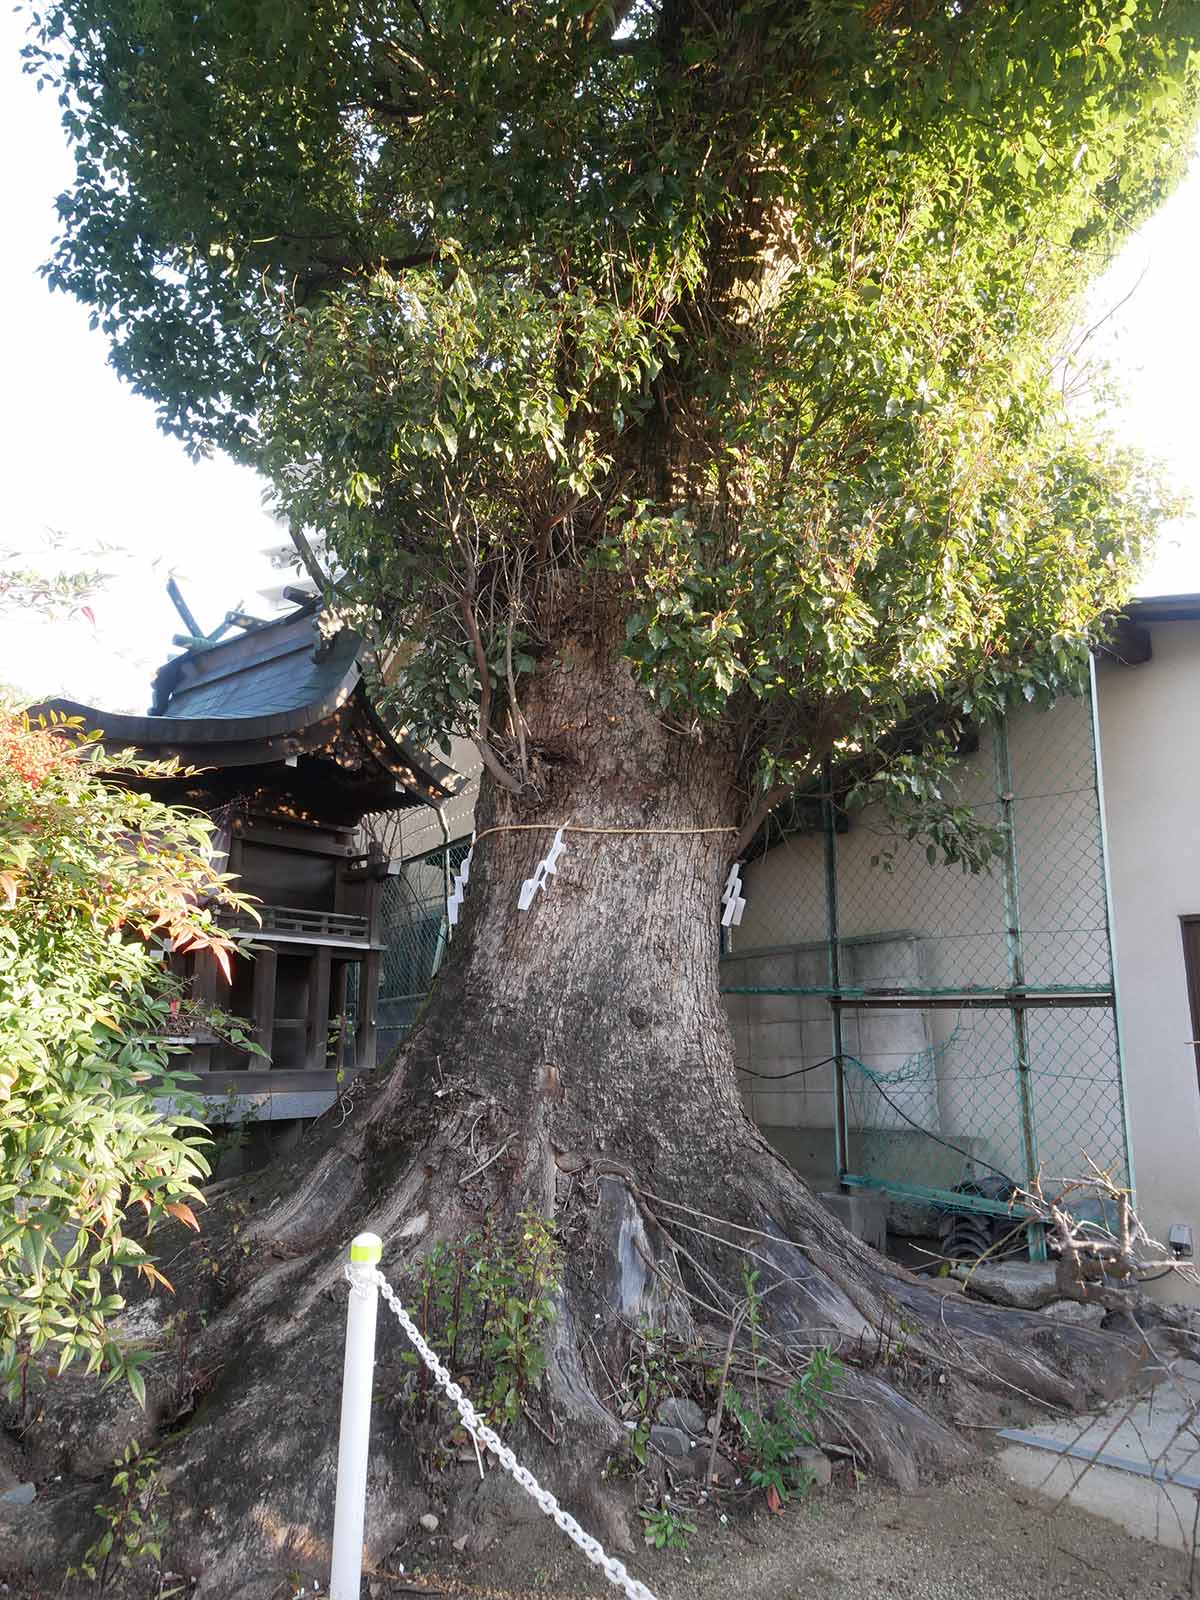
[(479, 1430)]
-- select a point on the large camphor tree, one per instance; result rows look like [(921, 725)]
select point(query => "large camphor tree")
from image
[(680, 390)]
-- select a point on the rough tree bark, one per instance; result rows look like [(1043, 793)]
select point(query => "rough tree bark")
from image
[(574, 1060)]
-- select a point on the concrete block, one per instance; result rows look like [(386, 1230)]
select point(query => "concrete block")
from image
[(816, 1037), (770, 1041), (769, 1008), (776, 1073), (778, 1108), (864, 1214), (809, 1150), (889, 962)]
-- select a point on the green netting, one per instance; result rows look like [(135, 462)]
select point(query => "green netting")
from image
[(415, 935), (908, 1026)]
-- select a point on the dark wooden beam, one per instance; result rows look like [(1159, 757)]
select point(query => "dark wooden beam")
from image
[(181, 605), (1128, 643), (317, 1058), (368, 1004), (311, 841), (341, 986), (263, 1002)]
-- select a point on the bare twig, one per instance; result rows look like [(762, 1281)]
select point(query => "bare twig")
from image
[(484, 1165), (710, 1472), (494, 765)]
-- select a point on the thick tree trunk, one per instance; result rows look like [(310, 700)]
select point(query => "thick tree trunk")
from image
[(575, 1062)]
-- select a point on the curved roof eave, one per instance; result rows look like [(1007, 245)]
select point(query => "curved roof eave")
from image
[(120, 732)]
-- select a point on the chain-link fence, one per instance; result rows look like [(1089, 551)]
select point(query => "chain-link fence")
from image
[(415, 934), (940, 1035), (900, 1025)]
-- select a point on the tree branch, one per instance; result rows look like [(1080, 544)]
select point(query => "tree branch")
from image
[(518, 721), (308, 558), (489, 757), (771, 798), (481, 666), (496, 767), (354, 264)]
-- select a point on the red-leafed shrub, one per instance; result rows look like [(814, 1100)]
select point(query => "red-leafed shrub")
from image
[(98, 883)]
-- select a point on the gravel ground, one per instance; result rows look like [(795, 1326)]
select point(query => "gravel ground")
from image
[(978, 1537)]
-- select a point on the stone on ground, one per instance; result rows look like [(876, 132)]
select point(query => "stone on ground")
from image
[(1025, 1285), (1075, 1311)]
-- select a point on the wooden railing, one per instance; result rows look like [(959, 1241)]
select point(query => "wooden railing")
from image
[(315, 924)]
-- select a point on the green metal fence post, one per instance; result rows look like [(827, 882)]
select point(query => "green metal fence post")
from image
[(1109, 931), (841, 1136), (1016, 972)]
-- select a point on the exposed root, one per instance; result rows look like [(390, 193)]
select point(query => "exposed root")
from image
[(251, 1474)]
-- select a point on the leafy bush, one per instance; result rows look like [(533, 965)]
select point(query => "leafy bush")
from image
[(98, 884), (772, 1439), (485, 1303), (132, 1522)]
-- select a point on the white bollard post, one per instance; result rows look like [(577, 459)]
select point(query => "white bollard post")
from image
[(345, 1577)]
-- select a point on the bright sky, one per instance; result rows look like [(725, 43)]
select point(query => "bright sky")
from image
[(85, 459)]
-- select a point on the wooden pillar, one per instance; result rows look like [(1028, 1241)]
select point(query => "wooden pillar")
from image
[(262, 1005), (318, 1009), (341, 976), (211, 990), (234, 863), (373, 907), (368, 989), (368, 1003)]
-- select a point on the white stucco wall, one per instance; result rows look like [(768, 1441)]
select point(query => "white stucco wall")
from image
[(1150, 746)]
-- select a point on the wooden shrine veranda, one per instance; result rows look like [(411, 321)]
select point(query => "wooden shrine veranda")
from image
[(278, 741)]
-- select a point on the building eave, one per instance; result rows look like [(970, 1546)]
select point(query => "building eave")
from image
[(1145, 608)]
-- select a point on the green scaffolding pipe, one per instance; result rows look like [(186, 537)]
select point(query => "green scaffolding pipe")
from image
[(944, 1197), (1110, 932), (841, 1117), (1016, 991), (1016, 971)]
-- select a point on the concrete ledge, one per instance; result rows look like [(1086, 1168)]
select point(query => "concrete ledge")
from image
[(1078, 1452), (1151, 1508), (864, 1214), (1137, 1463)]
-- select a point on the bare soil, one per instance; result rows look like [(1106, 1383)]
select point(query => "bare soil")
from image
[(977, 1537)]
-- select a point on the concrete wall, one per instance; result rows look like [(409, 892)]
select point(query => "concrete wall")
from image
[(1150, 745), (418, 830), (908, 923), (939, 928)]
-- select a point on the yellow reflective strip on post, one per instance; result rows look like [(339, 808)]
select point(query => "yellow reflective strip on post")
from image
[(367, 1247)]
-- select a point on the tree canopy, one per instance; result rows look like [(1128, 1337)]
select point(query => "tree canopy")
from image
[(743, 320)]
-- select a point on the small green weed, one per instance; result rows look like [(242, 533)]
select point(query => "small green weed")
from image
[(658, 1368), (771, 1438), (133, 1526), (665, 1528)]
